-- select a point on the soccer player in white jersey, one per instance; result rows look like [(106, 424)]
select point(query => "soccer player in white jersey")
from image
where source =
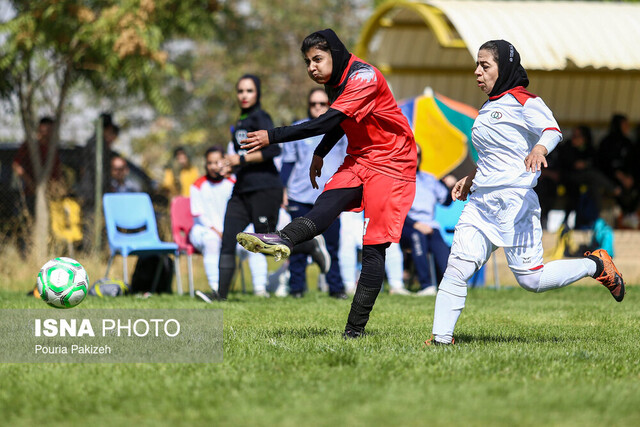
[(513, 133), (209, 196)]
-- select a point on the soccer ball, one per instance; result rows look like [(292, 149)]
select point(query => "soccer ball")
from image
[(63, 282)]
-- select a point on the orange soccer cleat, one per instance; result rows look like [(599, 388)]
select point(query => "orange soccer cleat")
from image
[(432, 342), (607, 273)]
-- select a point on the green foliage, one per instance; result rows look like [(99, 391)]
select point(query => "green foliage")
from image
[(566, 357), (115, 45), (261, 38)]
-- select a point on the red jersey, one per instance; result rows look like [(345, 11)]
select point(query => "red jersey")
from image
[(379, 135)]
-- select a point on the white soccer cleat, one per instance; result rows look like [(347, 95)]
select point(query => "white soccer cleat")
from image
[(429, 291)]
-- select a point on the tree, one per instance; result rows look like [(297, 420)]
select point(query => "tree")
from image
[(252, 36), (116, 46)]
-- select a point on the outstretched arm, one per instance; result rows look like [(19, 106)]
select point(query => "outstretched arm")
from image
[(318, 126)]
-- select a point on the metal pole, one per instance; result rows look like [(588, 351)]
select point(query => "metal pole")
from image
[(496, 279), (97, 211)]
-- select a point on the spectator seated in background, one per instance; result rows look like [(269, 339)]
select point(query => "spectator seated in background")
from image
[(23, 164), (585, 185), (421, 232), (627, 175), (616, 150), (119, 179), (179, 175), (628, 199), (209, 196)]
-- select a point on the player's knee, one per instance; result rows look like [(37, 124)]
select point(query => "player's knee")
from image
[(456, 276), (529, 282), (454, 288), (453, 283)]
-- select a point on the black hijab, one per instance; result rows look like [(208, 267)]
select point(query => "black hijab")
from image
[(339, 55), (256, 81), (510, 73)]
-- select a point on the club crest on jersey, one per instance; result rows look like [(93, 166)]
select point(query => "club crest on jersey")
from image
[(241, 135)]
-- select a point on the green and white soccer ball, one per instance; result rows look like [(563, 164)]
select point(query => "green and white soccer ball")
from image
[(63, 282)]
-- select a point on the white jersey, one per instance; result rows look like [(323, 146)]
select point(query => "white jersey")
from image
[(209, 201), (503, 134)]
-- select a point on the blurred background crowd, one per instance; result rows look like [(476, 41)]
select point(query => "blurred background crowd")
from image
[(127, 97), (588, 178)]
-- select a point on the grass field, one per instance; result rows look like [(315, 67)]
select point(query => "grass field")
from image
[(569, 357)]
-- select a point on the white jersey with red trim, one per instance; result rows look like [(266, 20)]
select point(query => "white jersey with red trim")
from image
[(209, 201), (503, 134)]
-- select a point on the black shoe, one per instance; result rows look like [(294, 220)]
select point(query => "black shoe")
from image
[(320, 254), (338, 295), (297, 294), (270, 244), (350, 333), (208, 297)]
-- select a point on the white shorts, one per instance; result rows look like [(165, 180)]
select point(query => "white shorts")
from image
[(507, 218)]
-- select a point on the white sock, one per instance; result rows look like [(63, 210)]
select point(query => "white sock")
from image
[(259, 271), (452, 293), (394, 264), (446, 314), (211, 270), (560, 273)]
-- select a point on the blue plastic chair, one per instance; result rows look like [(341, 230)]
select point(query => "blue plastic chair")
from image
[(447, 217), (132, 230)]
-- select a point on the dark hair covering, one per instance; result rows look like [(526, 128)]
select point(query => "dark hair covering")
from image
[(178, 150), (256, 81), (213, 149), (510, 73), (615, 125), (340, 56), (585, 131), (46, 120)]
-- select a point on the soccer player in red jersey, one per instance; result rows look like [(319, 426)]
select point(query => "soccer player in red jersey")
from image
[(377, 175)]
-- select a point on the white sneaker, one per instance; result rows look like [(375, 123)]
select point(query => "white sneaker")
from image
[(427, 292), (282, 290), (399, 291), (207, 297), (323, 286), (350, 288), (262, 294)]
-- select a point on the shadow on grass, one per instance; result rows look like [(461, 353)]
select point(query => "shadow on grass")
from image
[(311, 332), (489, 339), (302, 333)]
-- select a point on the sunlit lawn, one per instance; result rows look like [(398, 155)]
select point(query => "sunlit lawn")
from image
[(569, 357)]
